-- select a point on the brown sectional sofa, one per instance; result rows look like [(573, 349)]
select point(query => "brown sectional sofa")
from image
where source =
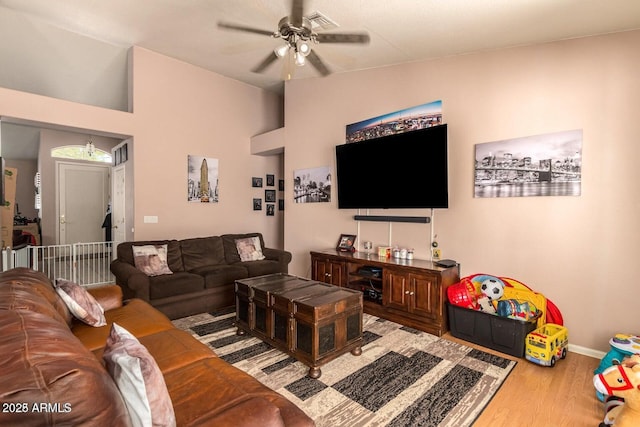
[(54, 362), (204, 272)]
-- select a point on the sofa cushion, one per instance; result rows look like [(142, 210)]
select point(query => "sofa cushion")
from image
[(80, 303), (260, 268), (137, 316), (47, 369), (19, 286), (205, 390), (221, 275), (139, 379), (171, 349), (175, 284), (201, 252), (174, 255), (230, 247)]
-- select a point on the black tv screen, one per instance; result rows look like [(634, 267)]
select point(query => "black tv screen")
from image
[(405, 170)]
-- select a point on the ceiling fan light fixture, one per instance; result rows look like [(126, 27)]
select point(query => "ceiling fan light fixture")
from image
[(299, 58), (303, 48), (281, 51)]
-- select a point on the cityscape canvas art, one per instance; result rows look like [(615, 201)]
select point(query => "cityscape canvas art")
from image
[(406, 120), (312, 185), (540, 165), (202, 179)]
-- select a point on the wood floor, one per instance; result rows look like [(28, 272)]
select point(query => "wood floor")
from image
[(538, 396)]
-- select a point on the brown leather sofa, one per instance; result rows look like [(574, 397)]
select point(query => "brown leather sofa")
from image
[(204, 272), (52, 371)]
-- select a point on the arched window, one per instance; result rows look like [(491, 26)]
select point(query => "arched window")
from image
[(79, 152)]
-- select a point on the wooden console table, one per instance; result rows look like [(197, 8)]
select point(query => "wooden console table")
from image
[(314, 322), (409, 292)]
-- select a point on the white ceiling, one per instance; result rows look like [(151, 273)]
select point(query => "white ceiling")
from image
[(400, 30)]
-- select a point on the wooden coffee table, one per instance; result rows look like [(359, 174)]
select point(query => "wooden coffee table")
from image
[(314, 322)]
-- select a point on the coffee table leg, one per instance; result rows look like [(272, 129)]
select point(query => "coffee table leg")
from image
[(357, 351), (314, 372)]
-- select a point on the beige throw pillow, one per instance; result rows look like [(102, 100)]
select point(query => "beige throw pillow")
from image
[(139, 379), (151, 259), (80, 302), (249, 249)]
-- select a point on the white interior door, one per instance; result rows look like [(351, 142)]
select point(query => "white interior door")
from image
[(118, 205), (83, 192)]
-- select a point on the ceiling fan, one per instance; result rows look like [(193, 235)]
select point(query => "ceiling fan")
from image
[(298, 36)]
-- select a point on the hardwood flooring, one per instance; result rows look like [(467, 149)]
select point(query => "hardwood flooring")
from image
[(538, 396)]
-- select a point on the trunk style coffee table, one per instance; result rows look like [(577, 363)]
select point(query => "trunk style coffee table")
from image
[(314, 322)]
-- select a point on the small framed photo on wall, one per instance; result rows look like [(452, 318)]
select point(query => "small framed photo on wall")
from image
[(271, 180), (281, 184), (256, 181), (271, 208), (257, 204), (269, 195)]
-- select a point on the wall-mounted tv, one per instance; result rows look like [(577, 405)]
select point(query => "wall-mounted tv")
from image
[(404, 170)]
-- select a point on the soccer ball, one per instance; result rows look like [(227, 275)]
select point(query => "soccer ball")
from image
[(492, 288)]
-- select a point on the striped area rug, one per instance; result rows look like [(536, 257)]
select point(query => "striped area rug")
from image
[(404, 377)]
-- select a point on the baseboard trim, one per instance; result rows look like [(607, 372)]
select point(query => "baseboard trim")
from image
[(586, 351)]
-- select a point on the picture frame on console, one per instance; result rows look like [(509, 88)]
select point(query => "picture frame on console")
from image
[(346, 243)]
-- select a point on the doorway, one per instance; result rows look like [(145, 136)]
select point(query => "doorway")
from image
[(83, 191)]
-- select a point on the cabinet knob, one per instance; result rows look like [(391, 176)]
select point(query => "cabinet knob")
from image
[(411, 293), (406, 292), (327, 274)]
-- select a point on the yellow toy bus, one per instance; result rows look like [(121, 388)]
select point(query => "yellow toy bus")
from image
[(547, 344)]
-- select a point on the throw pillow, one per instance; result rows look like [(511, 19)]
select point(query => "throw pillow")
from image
[(249, 249), (80, 303), (151, 259), (139, 379)]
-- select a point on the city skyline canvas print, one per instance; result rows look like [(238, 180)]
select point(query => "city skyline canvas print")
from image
[(539, 165)]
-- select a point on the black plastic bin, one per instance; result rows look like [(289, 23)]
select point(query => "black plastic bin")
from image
[(489, 330)]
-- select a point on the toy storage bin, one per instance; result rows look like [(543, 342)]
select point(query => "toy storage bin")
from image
[(488, 330)]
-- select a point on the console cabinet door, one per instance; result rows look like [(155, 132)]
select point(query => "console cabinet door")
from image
[(414, 293), (395, 290), (425, 299), (327, 271)]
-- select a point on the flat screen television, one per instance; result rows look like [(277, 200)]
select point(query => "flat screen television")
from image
[(405, 170)]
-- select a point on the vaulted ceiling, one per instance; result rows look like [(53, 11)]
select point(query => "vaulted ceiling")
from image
[(400, 30)]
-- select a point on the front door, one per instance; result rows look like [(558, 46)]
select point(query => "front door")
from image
[(83, 199)]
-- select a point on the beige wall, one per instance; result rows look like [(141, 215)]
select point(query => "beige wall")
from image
[(179, 110), (579, 251), (582, 252)]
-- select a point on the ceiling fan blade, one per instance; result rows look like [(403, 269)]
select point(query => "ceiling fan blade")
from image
[(265, 63), (297, 10), (315, 60), (343, 38), (237, 27)]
